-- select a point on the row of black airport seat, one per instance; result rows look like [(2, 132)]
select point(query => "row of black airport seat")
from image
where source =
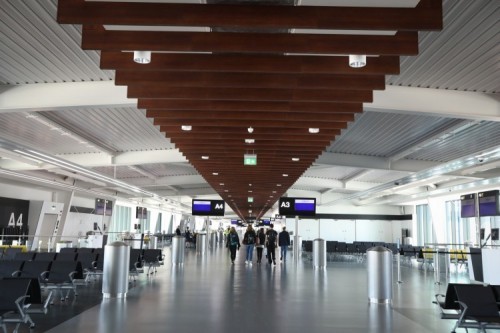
[(349, 248), (472, 305)]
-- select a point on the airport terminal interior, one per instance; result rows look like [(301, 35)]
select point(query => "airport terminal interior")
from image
[(134, 134)]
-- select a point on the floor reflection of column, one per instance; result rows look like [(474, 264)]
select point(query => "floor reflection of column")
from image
[(380, 318), (112, 315)]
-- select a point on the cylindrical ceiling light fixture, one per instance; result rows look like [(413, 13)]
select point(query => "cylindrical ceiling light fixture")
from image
[(357, 61), (142, 57)]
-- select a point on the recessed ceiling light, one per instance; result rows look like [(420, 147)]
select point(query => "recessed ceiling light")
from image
[(221, 184), (250, 129), (285, 175), (249, 191), (186, 127), (249, 141), (205, 157), (313, 130), (226, 190), (295, 159), (249, 184), (270, 196), (215, 173), (142, 57), (278, 185), (357, 61), (274, 191)]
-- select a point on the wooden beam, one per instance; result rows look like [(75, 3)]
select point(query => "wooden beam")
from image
[(254, 106), (249, 80), (252, 94), (426, 16), (250, 63), (242, 115), (402, 43)]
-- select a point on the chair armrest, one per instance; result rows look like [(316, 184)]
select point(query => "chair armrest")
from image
[(16, 273), (71, 275), (19, 306), (43, 275)]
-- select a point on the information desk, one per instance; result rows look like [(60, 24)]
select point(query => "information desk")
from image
[(22, 247)]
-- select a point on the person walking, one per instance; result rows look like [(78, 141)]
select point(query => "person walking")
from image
[(249, 240), (259, 244), (233, 243), (272, 236), (283, 242), (178, 231)]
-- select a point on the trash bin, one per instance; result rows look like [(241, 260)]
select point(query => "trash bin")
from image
[(201, 243), (213, 240), (153, 242), (379, 274), (441, 264), (319, 253), (178, 246), (116, 269)]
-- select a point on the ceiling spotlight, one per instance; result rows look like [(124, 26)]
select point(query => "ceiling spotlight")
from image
[(357, 61), (249, 141), (205, 157), (142, 57), (295, 159), (250, 129), (186, 127), (313, 130), (278, 185), (249, 184), (221, 184), (215, 173), (285, 175)]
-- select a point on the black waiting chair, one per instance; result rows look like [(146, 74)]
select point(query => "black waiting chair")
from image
[(66, 256), (38, 305), (9, 268), (479, 307), (61, 276), (152, 258), (25, 256), (13, 303), (68, 250), (45, 256), (448, 303), (33, 269), (10, 253)]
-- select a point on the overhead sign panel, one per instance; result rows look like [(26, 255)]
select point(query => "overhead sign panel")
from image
[(297, 206), (208, 207)]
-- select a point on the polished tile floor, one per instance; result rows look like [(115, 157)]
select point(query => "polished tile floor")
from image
[(209, 294)]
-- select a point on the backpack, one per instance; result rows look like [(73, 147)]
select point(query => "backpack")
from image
[(250, 238), (233, 239), (271, 237)]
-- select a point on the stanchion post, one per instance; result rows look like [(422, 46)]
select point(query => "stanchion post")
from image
[(398, 260)]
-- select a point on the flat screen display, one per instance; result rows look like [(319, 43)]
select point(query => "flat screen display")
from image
[(297, 206), (208, 207), (494, 234), (234, 222), (103, 207), (468, 205), (141, 213), (488, 203)]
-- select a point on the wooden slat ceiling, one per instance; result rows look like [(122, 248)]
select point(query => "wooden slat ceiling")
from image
[(248, 70)]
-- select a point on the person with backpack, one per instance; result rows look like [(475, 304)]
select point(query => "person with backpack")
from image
[(233, 243), (283, 242), (249, 240), (260, 240), (272, 236)]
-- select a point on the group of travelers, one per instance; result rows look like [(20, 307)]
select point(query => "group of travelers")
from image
[(259, 239)]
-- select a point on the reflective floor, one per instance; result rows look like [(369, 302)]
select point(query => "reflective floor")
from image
[(209, 294)]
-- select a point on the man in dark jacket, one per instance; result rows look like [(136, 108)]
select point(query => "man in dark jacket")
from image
[(284, 242), (272, 236)]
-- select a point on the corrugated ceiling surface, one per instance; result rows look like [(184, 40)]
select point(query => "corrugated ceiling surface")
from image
[(118, 129), (330, 172), (34, 133), (478, 136), (122, 172), (381, 176), (463, 56), (383, 134), (165, 170), (35, 49)]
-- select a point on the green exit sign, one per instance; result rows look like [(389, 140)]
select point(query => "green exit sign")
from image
[(250, 159)]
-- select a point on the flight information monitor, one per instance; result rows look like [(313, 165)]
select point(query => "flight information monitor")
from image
[(468, 205), (488, 203), (297, 206), (208, 207)]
